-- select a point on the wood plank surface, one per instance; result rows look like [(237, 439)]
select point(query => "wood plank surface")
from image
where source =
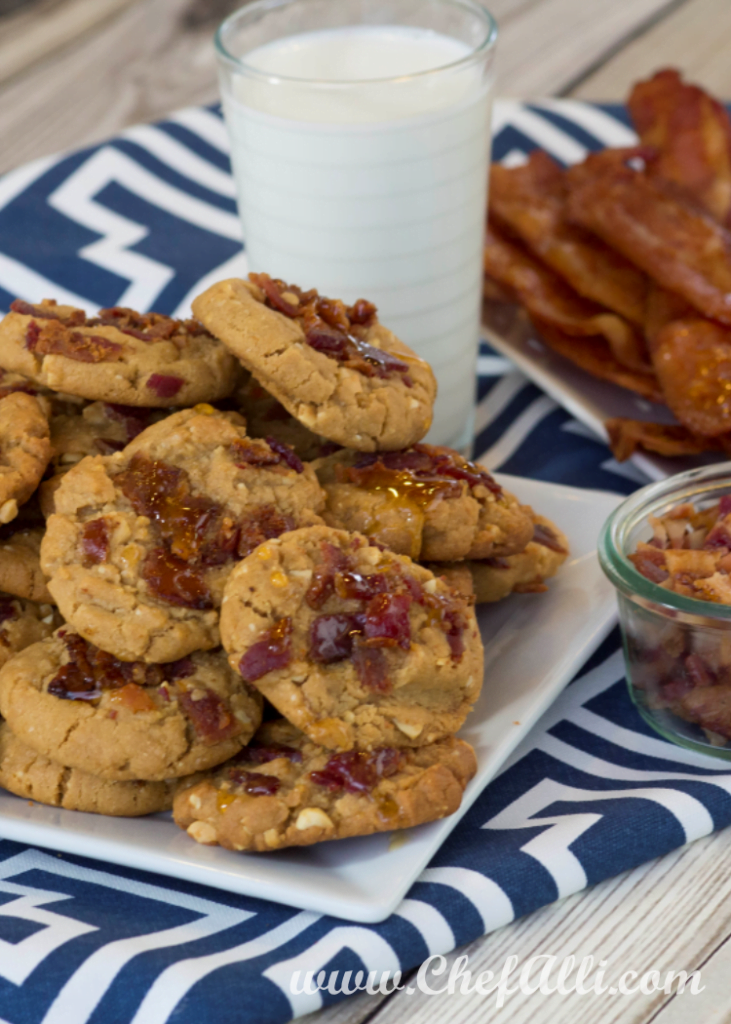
[(695, 37)]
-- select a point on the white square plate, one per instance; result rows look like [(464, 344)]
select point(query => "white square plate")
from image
[(533, 646)]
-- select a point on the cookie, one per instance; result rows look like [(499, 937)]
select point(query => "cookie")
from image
[(142, 541), (84, 428), (119, 356), (20, 555), (82, 708), (524, 573), (426, 502), (25, 450), (334, 367), (23, 623), (266, 417), (28, 774), (354, 645), (285, 790)]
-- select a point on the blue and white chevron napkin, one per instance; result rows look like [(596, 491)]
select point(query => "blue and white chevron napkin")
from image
[(147, 220)]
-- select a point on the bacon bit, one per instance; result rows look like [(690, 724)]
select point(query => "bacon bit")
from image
[(650, 562), (718, 537), (287, 455), (260, 754), (134, 420), (164, 385), (173, 580), (134, 698), (95, 538), (371, 668), (261, 524), (387, 621), (272, 652), (331, 637), (358, 772), (698, 672), (333, 328), (354, 586), (211, 717), (420, 473), (544, 536), (8, 610), (254, 783), (183, 668), (322, 586), (75, 319), (55, 338)]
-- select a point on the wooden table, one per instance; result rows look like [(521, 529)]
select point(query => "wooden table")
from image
[(75, 71)]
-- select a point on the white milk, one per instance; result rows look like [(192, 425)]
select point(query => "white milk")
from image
[(372, 189)]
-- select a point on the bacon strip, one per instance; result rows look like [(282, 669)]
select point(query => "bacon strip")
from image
[(691, 133), (595, 356), (692, 359), (531, 202), (627, 436), (650, 222), (546, 296)]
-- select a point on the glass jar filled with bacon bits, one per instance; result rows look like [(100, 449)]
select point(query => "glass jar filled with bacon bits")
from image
[(667, 550)]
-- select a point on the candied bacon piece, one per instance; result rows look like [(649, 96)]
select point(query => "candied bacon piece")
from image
[(246, 451), (709, 707), (692, 359), (133, 418), (650, 562), (75, 319), (669, 439), (371, 667), (353, 586), (55, 338), (254, 783), (287, 455), (165, 385), (257, 753), (545, 536), (322, 585), (530, 200), (95, 539), (698, 672), (595, 356), (356, 771), (260, 524), (90, 670), (180, 669), (7, 610), (172, 580), (387, 622), (647, 220), (546, 296), (133, 697), (331, 637), (272, 652), (211, 717), (718, 537), (691, 134)]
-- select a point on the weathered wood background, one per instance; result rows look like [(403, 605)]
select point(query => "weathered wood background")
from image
[(73, 72)]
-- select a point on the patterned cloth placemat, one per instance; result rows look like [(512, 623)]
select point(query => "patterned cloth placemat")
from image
[(147, 220)]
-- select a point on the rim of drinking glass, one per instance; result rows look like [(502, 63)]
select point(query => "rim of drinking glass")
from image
[(650, 500), (259, 7)]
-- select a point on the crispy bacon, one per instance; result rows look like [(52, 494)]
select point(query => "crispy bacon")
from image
[(595, 356), (691, 134), (272, 652), (164, 385), (254, 783), (546, 296), (95, 539), (530, 201), (175, 581), (672, 440), (692, 359), (358, 772), (56, 338), (210, 715), (652, 224), (76, 318)]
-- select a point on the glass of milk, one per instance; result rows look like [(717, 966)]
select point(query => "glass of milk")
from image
[(360, 137)]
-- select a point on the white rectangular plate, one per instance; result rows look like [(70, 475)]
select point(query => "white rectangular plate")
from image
[(590, 400), (533, 646)]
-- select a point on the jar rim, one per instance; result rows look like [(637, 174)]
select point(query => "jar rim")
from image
[(653, 500)]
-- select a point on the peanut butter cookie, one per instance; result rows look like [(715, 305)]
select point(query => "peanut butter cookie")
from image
[(355, 645), (334, 367), (118, 356), (285, 790), (121, 720), (142, 541)]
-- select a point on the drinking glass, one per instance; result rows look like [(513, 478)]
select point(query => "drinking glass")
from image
[(360, 134)]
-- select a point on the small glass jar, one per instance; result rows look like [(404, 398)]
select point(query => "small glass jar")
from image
[(672, 643)]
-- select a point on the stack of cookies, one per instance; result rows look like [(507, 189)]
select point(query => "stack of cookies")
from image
[(237, 584)]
